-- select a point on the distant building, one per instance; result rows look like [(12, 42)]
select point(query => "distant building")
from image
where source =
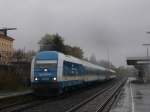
[(142, 64), (6, 48)]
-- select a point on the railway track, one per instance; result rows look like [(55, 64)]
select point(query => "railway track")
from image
[(109, 101), (9, 102), (29, 103), (101, 101), (21, 102)]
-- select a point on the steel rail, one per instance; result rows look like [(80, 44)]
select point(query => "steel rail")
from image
[(78, 106), (108, 99)]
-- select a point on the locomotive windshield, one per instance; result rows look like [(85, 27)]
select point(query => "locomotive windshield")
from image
[(46, 64)]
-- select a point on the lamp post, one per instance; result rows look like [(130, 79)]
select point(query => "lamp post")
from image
[(147, 49), (148, 32), (109, 65)]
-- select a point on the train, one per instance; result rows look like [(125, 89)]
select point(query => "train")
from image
[(54, 72)]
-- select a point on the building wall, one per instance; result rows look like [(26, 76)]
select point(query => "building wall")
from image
[(143, 72), (6, 49)]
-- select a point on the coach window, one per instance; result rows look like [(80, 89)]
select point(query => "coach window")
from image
[(68, 68), (75, 68), (72, 69)]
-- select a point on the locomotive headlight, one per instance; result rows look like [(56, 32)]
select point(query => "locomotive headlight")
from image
[(54, 78), (35, 78), (45, 69)]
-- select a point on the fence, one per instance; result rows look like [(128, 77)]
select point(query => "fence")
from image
[(15, 75)]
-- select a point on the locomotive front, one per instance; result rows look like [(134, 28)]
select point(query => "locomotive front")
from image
[(44, 73)]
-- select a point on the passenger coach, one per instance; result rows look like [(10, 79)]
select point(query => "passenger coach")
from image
[(52, 72)]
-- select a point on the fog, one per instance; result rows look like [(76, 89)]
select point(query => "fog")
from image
[(114, 27)]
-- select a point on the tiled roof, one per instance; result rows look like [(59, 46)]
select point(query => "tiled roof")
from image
[(6, 37)]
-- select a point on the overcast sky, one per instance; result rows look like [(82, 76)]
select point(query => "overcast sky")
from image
[(94, 25)]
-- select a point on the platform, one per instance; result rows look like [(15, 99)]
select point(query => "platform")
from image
[(6, 94), (134, 98)]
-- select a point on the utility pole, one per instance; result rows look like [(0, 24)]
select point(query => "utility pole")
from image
[(108, 58)]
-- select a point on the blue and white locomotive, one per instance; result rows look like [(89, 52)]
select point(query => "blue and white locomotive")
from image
[(52, 71)]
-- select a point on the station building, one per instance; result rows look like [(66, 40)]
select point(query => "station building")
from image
[(142, 64), (6, 48)]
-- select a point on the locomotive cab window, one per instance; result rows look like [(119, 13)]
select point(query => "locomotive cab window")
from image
[(46, 64)]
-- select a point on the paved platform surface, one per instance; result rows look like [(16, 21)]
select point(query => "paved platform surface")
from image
[(134, 98), (6, 94)]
